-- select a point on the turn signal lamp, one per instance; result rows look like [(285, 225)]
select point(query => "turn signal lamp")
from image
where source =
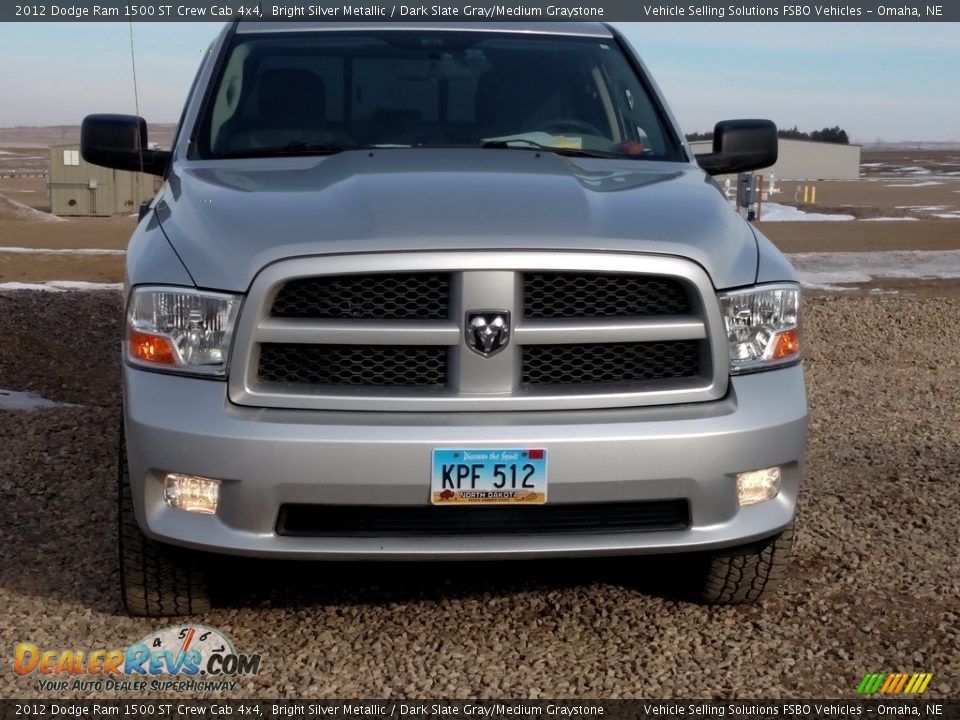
[(153, 349)]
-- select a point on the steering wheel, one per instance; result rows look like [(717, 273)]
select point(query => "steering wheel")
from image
[(561, 124)]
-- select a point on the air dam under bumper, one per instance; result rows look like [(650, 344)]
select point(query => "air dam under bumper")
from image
[(269, 457)]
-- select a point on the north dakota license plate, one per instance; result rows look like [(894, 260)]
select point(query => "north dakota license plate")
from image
[(491, 477)]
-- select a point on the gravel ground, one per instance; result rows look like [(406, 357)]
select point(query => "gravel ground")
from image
[(874, 586)]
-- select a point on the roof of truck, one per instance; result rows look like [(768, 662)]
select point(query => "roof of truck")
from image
[(584, 29)]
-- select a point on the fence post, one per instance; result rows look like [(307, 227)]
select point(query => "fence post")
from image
[(759, 196)]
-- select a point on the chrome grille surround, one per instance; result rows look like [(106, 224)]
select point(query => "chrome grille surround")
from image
[(478, 280)]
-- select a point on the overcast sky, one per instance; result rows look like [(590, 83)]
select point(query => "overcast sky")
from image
[(891, 81)]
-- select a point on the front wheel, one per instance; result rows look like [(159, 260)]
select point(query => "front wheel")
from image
[(156, 580), (748, 573)]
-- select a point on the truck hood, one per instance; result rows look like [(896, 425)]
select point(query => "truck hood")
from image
[(228, 219)]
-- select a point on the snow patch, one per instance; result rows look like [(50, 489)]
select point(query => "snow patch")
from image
[(831, 270), (60, 286), (892, 219), (11, 209), (11, 400), (61, 251), (774, 212), (925, 183)]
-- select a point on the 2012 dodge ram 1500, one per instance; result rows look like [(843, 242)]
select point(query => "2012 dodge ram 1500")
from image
[(448, 291)]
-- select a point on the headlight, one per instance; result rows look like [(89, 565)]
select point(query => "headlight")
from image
[(763, 326), (181, 330)]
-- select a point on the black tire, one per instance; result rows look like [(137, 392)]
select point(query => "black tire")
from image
[(156, 580), (748, 573)]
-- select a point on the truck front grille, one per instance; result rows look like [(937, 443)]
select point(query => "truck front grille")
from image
[(373, 365), (609, 362), (596, 295), (386, 296), (393, 521), (411, 331)]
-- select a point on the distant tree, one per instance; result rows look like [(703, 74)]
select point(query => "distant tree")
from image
[(835, 134), (793, 134)]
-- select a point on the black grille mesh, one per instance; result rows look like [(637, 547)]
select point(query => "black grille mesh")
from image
[(377, 365), (407, 296), (610, 362), (591, 295), (386, 521)]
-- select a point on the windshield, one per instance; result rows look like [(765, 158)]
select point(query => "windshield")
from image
[(317, 93)]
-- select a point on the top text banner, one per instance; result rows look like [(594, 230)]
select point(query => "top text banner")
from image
[(473, 11)]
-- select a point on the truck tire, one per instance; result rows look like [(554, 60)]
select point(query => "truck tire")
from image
[(747, 573), (156, 580)]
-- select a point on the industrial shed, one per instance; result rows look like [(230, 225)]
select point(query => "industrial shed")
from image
[(807, 160), (78, 188)]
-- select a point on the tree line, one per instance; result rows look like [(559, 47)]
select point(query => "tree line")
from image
[(835, 134)]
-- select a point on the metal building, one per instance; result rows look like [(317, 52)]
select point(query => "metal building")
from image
[(807, 160), (78, 188)]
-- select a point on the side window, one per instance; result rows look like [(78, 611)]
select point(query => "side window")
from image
[(71, 157), (637, 114), (228, 96)]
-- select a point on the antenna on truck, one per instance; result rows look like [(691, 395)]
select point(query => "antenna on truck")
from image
[(136, 106)]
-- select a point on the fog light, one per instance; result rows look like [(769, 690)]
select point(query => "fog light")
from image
[(758, 486), (191, 493)]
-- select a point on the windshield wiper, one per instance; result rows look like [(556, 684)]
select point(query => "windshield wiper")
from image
[(290, 149), (525, 144)]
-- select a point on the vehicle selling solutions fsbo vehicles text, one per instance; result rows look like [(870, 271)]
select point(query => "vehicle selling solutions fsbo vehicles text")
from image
[(743, 10)]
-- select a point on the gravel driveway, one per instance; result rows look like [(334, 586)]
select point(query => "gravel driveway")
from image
[(875, 585)]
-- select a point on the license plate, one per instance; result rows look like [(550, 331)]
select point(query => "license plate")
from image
[(489, 477)]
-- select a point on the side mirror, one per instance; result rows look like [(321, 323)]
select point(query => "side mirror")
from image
[(741, 145), (120, 142)]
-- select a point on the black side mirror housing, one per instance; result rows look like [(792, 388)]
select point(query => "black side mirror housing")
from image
[(739, 146), (120, 142)]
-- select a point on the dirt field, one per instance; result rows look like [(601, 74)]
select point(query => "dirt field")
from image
[(914, 162), (793, 237)]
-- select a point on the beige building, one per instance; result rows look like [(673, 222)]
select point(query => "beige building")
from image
[(78, 188), (807, 160)]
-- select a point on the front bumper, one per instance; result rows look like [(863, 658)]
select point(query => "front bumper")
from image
[(268, 457)]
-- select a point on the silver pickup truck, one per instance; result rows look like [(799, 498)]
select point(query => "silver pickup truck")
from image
[(448, 292)]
